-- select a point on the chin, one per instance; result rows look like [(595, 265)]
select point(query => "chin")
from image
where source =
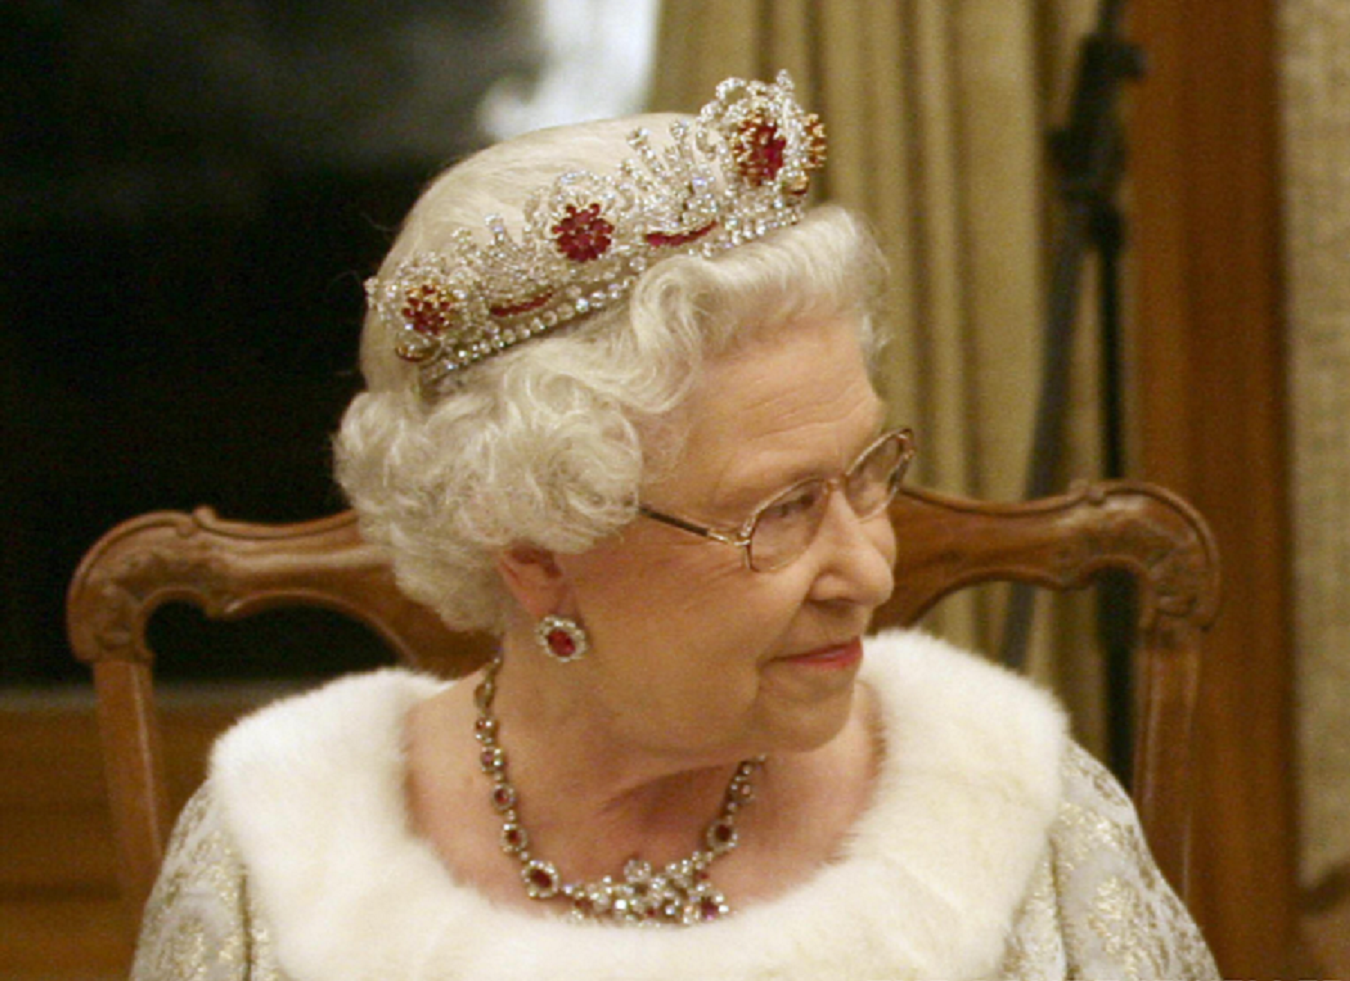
[(811, 729)]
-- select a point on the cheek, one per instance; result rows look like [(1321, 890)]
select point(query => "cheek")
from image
[(667, 603), (640, 583), (710, 635), (688, 682), (696, 636), (685, 609), (739, 609)]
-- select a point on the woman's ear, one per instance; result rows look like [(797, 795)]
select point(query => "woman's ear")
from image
[(534, 578)]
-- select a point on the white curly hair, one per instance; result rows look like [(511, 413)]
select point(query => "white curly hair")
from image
[(548, 443)]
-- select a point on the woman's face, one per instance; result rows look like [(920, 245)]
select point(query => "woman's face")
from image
[(694, 653)]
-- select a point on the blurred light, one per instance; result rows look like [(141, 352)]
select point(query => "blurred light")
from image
[(596, 64)]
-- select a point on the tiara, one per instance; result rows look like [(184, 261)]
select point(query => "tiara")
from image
[(737, 171)]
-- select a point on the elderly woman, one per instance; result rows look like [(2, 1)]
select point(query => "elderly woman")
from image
[(621, 413)]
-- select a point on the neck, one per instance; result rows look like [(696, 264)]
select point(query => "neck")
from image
[(672, 890), (590, 803), (588, 796)]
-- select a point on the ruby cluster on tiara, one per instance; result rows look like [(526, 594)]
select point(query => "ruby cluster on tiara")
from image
[(739, 170)]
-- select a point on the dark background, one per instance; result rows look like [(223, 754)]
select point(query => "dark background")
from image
[(191, 194)]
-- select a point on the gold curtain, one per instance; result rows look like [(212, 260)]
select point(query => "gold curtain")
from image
[(1316, 46), (937, 112)]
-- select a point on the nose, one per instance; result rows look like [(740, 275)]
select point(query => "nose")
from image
[(856, 557)]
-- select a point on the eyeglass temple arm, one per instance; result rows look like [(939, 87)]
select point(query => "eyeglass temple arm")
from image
[(680, 523)]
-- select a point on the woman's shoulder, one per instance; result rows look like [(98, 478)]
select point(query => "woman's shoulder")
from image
[(292, 764), (956, 710), (1124, 910), (297, 762), (198, 921), (355, 717)]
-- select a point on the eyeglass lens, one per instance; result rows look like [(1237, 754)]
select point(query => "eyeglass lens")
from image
[(784, 528)]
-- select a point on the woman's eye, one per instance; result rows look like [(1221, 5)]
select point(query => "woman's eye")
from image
[(799, 502)]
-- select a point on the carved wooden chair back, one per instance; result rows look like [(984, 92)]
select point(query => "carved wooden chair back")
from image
[(233, 569)]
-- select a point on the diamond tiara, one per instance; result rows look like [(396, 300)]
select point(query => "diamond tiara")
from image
[(737, 171)]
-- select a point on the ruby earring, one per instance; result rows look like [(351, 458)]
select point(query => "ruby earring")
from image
[(562, 639)]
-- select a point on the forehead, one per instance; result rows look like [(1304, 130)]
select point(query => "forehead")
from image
[(796, 403)]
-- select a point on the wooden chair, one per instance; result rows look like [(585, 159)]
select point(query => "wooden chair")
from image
[(232, 569)]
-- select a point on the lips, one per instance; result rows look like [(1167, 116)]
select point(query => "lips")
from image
[(836, 656)]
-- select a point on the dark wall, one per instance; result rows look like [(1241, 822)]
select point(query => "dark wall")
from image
[(190, 197)]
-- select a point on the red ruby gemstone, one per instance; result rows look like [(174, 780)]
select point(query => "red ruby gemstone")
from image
[(670, 240), (541, 880), (525, 306), (763, 150), (583, 235), (561, 644), (429, 309)]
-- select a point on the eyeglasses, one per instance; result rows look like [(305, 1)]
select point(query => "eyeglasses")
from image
[(783, 528)]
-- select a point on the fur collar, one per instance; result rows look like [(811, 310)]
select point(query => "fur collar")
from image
[(312, 795)]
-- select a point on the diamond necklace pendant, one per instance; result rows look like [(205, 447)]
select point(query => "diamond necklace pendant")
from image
[(679, 893)]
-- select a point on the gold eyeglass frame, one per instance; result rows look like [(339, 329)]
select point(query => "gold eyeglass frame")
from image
[(744, 535)]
